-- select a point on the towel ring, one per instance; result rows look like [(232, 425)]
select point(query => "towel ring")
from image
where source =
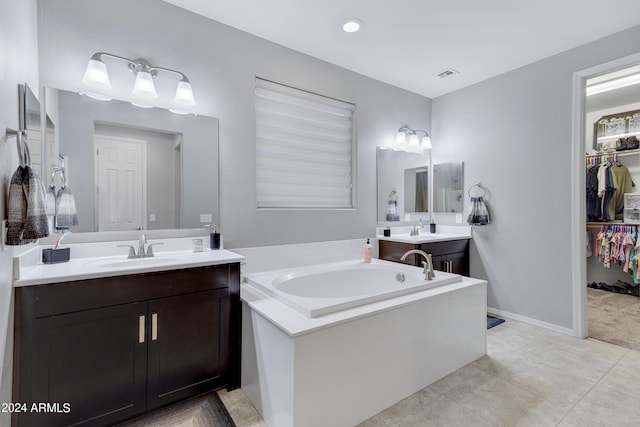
[(479, 185)]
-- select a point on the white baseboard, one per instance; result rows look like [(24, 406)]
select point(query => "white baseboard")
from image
[(534, 322)]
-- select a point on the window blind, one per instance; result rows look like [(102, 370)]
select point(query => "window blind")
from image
[(304, 147)]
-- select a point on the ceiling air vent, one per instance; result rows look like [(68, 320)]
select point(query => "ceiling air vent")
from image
[(447, 73)]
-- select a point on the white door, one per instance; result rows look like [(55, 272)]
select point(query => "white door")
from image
[(121, 183)]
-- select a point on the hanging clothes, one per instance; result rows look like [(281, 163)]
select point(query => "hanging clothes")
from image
[(607, 180)]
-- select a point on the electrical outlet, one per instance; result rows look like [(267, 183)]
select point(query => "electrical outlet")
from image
[(206, 218), (152, 217), (458, 218)]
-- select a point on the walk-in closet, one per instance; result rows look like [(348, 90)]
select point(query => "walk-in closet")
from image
[(612, 170)]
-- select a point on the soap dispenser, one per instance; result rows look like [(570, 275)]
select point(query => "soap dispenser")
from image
[(215, 238), (368, 252)]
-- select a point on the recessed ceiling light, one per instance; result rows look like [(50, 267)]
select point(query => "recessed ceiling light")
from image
[(351, 25)]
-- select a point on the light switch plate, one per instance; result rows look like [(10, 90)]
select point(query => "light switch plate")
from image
[(458, 218), (206, 218), (152, 217)]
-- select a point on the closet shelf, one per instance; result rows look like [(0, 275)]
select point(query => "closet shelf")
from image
[(598, 224), (616, 153)]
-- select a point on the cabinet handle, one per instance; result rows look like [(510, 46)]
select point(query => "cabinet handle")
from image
[(154, 326), (450, 264), (141, 322)]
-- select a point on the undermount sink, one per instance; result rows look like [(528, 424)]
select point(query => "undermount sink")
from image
[(137, 262)]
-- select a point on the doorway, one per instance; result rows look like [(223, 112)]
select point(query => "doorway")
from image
[(583, 112)]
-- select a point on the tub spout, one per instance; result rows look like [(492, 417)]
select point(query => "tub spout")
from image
[(429, 273)]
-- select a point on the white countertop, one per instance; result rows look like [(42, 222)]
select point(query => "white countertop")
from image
[(27, 272), (423, 238), (444, 233)]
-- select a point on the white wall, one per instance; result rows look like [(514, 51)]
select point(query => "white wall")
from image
[(514, 134), (18, 64), (222, 64)]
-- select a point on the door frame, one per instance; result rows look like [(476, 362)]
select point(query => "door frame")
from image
[(578, 194), (96, 176)]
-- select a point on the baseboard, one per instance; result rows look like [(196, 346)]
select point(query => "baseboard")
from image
[(530, 321)]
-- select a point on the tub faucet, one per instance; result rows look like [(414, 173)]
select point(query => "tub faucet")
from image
[(429, 274)]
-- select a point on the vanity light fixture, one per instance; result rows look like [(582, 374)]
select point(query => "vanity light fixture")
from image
[(407, 136), (97, 77)]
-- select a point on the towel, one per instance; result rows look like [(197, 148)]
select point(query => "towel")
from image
[(27, 215), (479, 213), (66, 214)]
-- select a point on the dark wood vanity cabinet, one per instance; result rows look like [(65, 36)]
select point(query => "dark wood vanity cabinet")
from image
[(103, 350), (451, 256)]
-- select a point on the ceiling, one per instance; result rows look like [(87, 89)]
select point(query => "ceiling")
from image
[(406, 43)]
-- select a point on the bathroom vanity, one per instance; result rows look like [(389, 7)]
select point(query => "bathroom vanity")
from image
[(450, 251), (99, 350)]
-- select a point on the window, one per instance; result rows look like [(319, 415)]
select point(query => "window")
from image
[(304, 149)]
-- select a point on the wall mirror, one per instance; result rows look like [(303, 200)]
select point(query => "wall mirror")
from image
[(448, 187), (397, 191), (405, 177), (133, 168)]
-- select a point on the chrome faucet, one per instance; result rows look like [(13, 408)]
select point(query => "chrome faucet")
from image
[(141, 243), (142, 253), (429, 273), (414, 231)]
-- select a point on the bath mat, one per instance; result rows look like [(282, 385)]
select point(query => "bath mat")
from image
[(493, 321), (203, 411)]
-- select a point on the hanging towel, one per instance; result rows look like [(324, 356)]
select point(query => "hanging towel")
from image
[(27, 215), (479, 213), (66, 214)]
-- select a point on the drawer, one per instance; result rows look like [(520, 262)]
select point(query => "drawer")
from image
[(444, 248)]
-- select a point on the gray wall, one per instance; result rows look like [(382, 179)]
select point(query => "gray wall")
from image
[(514, 134), (18, 64), (222, 64)]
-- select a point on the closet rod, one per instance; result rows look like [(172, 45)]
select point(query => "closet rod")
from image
[(600, 224), (615, 153)]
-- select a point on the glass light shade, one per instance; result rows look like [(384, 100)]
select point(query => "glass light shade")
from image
[(401, 138), (96, 75), (144, 87), (426, 143), (184, 94), (96, 95), (413, 140)]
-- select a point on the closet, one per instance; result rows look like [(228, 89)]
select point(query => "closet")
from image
[(612, 168)]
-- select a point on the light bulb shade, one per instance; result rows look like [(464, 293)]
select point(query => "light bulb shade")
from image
[(413, 140), (426, 143), (96, 75), (184, 94), (401, 138), (144, 87)]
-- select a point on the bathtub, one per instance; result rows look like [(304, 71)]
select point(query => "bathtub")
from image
[(374, 339), (328, 288)]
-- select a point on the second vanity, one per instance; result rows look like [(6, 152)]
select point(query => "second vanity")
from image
[(104, 339), (449, 247)]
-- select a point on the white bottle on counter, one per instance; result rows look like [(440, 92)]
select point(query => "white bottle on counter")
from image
[(368, 252)]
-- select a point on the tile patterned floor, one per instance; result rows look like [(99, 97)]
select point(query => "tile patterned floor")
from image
[(529, 377)]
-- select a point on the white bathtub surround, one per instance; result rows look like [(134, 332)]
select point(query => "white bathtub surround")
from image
[(342, 368), (443, 233), (104, 259)]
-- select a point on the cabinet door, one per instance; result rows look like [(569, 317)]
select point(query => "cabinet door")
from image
[(439, 262), (94, 361), (458, 263), (187, 345)]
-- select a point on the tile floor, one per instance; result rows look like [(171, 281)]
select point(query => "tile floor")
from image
[(530, 377)]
